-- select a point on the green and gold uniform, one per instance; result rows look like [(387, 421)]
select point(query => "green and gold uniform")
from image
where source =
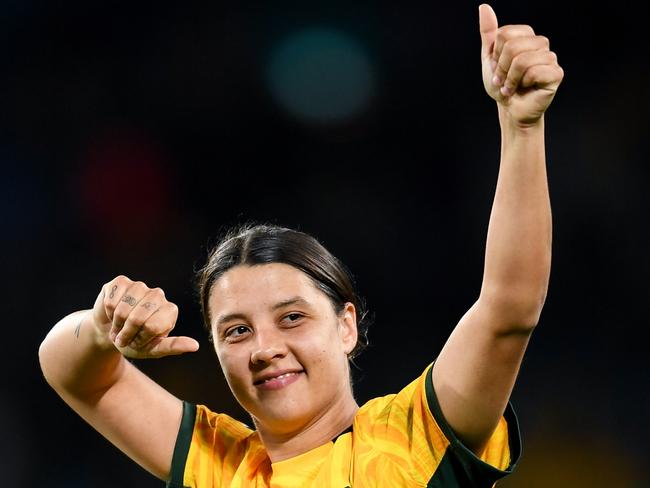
[(398, 440)]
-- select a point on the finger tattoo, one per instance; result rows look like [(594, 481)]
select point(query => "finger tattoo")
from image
[(148, 305), (113, 291), (130, 300)]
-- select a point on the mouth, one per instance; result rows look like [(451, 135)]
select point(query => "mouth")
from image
[(278, 381)]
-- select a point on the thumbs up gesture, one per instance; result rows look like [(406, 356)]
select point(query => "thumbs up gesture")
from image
[(520, 72), (138, 320)]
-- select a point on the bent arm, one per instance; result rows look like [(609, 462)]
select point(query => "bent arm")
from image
[(477, 367), (476, 370), (518, 248), (89, 373)]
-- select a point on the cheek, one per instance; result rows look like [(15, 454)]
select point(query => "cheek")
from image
[(320, 353), (233, 365)]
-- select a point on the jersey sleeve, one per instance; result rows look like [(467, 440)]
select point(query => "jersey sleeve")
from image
[(209, 447), (409, 428), (459, 464)]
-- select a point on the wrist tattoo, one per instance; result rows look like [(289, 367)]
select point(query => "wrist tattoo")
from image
[(130, 300), (78, 328)]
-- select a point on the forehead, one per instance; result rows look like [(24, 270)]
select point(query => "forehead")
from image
[(244, 287)]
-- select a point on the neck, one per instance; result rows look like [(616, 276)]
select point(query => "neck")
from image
[(320, 430)]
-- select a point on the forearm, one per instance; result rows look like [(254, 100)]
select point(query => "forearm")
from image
[(81, 361), (77, 361), (518, 249)]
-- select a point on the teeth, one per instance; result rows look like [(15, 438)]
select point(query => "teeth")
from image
[(278, 377)]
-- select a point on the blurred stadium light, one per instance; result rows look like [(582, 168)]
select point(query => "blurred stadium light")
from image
[(321, 75)]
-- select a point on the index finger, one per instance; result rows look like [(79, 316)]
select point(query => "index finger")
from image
[(507, 32)]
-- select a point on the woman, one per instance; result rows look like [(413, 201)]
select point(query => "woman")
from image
[(285, 321)]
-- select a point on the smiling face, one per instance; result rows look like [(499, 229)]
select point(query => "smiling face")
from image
[(282, 346)]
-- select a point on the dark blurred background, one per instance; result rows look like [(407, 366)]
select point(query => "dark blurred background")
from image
[(131, 134)]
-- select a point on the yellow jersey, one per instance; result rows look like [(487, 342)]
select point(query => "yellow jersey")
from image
[(398, 440)]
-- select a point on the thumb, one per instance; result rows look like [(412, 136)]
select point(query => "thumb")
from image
[(171, 346), (488, 26)]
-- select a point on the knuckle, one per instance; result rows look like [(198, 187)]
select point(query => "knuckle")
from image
[(121, 279), (513, 47), (159, 291), (139, 284)]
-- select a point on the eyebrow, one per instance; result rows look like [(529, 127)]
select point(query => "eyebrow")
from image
[(297, 300)]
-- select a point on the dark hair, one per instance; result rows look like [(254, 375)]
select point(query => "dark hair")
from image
[(251, 244)]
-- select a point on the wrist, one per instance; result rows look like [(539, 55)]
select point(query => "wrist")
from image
[(98, 332), (516, 133), (512, 126)]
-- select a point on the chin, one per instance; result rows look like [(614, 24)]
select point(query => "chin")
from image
[(282, 417)]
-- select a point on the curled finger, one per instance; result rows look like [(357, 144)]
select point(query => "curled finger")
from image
[(507, 33), (543, 76), (126, 309), (113, 291), (521, 64), (160, 320), (512, 50)]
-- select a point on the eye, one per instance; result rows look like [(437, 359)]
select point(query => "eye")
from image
[(293, 318), (236, 332)]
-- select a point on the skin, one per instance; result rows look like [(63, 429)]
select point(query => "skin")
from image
[(84, 356), (305, 334), (476, 370)]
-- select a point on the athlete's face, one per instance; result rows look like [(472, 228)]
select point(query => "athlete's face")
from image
[(281, 345)]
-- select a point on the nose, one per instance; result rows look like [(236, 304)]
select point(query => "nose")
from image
[(268, 346)]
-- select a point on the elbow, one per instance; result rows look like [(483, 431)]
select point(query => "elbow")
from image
[(528, 318), (528, 312), (44, 360), (42, 356), (517, 311)]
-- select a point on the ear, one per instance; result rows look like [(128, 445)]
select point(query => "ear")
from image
[(348, 327)]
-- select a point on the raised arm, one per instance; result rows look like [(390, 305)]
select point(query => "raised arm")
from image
[(83, 358), (476, 370)]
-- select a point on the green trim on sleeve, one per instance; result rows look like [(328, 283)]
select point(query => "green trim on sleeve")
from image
[(182, 447), (460, 466)]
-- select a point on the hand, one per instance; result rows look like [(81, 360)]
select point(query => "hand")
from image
[(519, 70), (137, 320)]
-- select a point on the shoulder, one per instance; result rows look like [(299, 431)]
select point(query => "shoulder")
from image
[(209, 439), (207, 421), (408, 429), (413, 396), (400, 417)]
